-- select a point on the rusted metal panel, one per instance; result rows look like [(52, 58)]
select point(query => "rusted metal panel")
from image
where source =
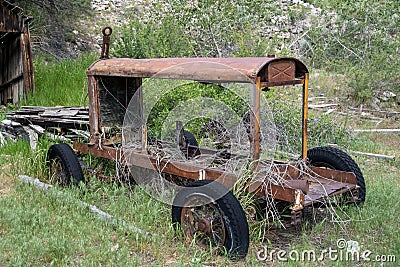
[(322, 175), (339, 176), (146, 161), (280, 192), (200, 69), (318, 192), (94, 110), (303, 185), (280, 71)]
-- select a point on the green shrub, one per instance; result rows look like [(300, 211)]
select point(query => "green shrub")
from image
[(361, 41), (200, 29), (322, 129), (152, 40), (176, 96)]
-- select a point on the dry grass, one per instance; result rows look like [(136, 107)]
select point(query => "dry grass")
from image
[(6, 180)]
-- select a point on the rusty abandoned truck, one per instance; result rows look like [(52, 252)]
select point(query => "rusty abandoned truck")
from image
[(205, 208)]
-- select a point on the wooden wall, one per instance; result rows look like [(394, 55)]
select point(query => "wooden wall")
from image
[(16, 68)]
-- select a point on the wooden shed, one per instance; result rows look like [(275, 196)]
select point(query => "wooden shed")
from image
[(16, 67)]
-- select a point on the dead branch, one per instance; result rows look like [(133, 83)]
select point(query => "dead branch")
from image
[(373, 155), (321, 106), (389, 131)]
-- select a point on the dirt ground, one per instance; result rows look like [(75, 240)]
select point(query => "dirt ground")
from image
[(6, 181)]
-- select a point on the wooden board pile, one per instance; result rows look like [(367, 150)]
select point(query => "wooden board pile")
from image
[(327, 106), (57, 123)]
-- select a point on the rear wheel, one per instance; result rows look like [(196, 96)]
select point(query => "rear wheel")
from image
[(64, 165), (211, 216), (333, 158)]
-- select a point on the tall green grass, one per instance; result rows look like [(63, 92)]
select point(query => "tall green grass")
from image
[(60, 83), (42, 228), (38, 228)]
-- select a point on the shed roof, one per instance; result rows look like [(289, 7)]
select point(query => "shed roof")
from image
[(199, 69), (11, 19)]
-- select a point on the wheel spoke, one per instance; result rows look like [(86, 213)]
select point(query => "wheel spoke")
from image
[(209, 223), (194, 212), (57, 172), (215, 235), (203, 223)]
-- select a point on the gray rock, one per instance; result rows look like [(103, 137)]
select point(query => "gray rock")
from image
[(386, 96), (374, 104)]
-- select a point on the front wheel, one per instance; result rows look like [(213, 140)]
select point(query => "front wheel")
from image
[(333, 158), (64, 165), (212, 217)]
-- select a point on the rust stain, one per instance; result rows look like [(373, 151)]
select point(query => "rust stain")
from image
[(200, 69)]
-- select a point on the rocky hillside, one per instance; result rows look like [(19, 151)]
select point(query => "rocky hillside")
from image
[(65, 34), (358, 39), (286, 19)]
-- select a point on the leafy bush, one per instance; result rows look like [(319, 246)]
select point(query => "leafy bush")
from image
[(358, 38), (201, 29), (322, 128), (173, 98), (148, 40)]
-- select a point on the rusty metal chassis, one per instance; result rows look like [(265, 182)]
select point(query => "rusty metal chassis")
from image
[(293, 192), (255, 95)]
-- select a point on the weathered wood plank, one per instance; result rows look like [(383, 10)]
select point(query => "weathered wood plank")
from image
[(59, 113), (374, 155), (16, 72), (321, 106), (393, 131)]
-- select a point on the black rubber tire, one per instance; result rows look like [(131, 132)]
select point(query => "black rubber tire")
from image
[(72, 173), (236, 227), (337, 159), (191, 140)]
